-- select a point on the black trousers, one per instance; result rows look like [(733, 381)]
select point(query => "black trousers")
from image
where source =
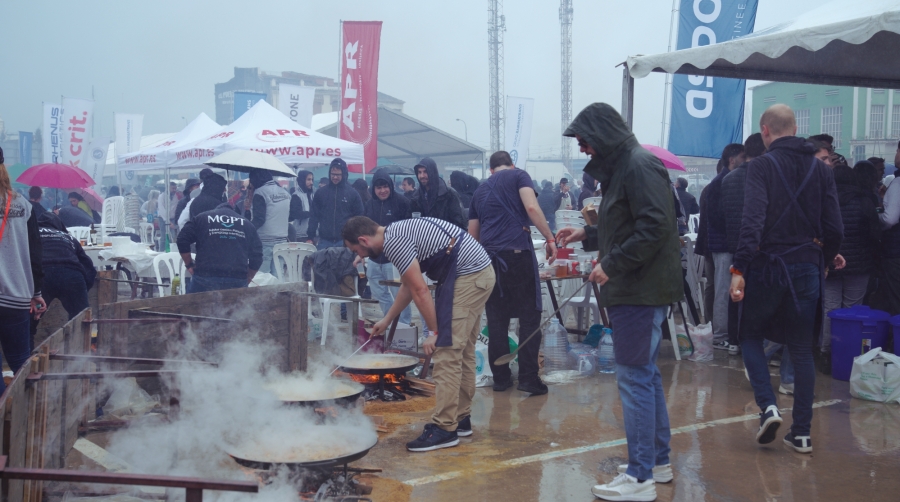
[(517, 302)]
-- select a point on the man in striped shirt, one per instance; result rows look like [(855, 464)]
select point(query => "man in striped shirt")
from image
[(465, 279)]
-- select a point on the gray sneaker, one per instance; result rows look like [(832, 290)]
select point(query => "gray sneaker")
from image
[(786, 389)]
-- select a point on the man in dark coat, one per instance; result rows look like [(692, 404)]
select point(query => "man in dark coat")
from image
[(717, 250), (332, 206), (435, 199), (860, 248), (790, 228), (385, 207), (640, 270), (211, 195), (549, 201), (731, 207), (687, 199), (189, 186)]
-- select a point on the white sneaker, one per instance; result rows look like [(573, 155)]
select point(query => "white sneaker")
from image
[(661, 473), (626, 488), (786, 389)]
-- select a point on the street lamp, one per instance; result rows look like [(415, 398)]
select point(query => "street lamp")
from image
[(466, 128)]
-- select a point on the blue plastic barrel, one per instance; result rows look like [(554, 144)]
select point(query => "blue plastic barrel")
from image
[(855, 331), (895, 324)]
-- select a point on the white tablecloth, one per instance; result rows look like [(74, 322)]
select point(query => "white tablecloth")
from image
[(136, 257)]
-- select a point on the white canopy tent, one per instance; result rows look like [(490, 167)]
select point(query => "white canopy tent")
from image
[(152, 157), (263, 128), (146, 142), (844, 42)]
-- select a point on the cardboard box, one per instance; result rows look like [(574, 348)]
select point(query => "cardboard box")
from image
[(406, 337), (589, 212)]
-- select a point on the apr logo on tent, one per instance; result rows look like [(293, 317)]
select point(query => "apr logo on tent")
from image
[(277, 134)]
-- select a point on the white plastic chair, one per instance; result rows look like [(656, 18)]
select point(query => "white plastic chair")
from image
[(292, 255), (174, 265), (147, 233), (113, 213), (326, 304), (579, 303), (694, 223), (80, 233), (594, 200)]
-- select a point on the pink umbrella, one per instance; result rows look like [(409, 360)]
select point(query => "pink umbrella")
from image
[(55, 176), (93, 199), (669, 159)]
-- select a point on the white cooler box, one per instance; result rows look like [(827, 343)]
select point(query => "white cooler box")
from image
[(406, 337)]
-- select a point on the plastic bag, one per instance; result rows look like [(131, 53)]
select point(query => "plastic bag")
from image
[(129, 400), (876, 377), (685, 346), (702, 338), (483, 374)]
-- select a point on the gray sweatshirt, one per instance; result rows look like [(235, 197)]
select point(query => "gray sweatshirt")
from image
[(20, 255)]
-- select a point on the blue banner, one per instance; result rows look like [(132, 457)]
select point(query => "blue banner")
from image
[(26, 140), (243, 101), (707, 112)]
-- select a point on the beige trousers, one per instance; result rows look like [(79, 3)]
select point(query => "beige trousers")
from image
[(454, 366)]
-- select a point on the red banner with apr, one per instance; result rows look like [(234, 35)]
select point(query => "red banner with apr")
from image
[(359, 90)]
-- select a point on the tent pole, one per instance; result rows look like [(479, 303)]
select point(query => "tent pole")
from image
[(627, 97), (482, 164), (662, 133)]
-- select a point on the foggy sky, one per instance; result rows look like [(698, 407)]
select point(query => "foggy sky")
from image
[(162, 58)]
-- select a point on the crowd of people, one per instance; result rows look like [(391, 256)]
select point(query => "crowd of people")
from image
[(788, 229)]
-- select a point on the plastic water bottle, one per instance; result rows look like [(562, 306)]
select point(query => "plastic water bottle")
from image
[(607, 357), (556, 346), (176, 285)]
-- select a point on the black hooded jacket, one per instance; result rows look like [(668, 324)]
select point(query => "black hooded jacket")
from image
[(637, 234), (59, 249), (731, 204), (549, 201), (862, 228), (211, 195), (587, 190), (465, 186), (227, 244), (437, 200), (187, 198), (385, 212), (332, 206)]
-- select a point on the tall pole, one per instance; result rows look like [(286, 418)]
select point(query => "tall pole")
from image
[(340, 69), (496, 27), (565, 28), (667, 89)]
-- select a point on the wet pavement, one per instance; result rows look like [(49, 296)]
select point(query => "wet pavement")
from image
[(555, 447)]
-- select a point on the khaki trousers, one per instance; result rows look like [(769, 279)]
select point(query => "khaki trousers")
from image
[(454, 366)]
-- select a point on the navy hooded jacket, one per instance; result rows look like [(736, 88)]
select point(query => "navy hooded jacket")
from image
[(385, 212), (332, 206), (62, 250)]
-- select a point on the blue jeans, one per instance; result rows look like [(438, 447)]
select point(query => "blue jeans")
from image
[(15, 338), (68, 285), (267, 265), (786, 369), (767, 305), (325, 244), (644, 408), (381, 272), (202, 284)]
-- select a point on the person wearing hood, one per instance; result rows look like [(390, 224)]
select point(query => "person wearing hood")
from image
[(272, 210), (189, 186), (304, 194), (78, 201), (385, 207), (68, 272), (435, 199), (464, 186), (332, 206), (791, 228), (212, 193), (549, 201), (640, 270), (362, 188), (588, 190), (229, 251)]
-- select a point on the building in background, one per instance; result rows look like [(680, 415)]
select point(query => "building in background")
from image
[(864, 122), (327, 99)]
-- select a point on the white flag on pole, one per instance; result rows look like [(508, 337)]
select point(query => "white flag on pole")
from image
[(518, 128), (129, 127), (296, 102), (94, 162), (52, 133), (75, 130)]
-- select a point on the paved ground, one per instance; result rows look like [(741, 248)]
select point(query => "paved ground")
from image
[(555, 447)]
